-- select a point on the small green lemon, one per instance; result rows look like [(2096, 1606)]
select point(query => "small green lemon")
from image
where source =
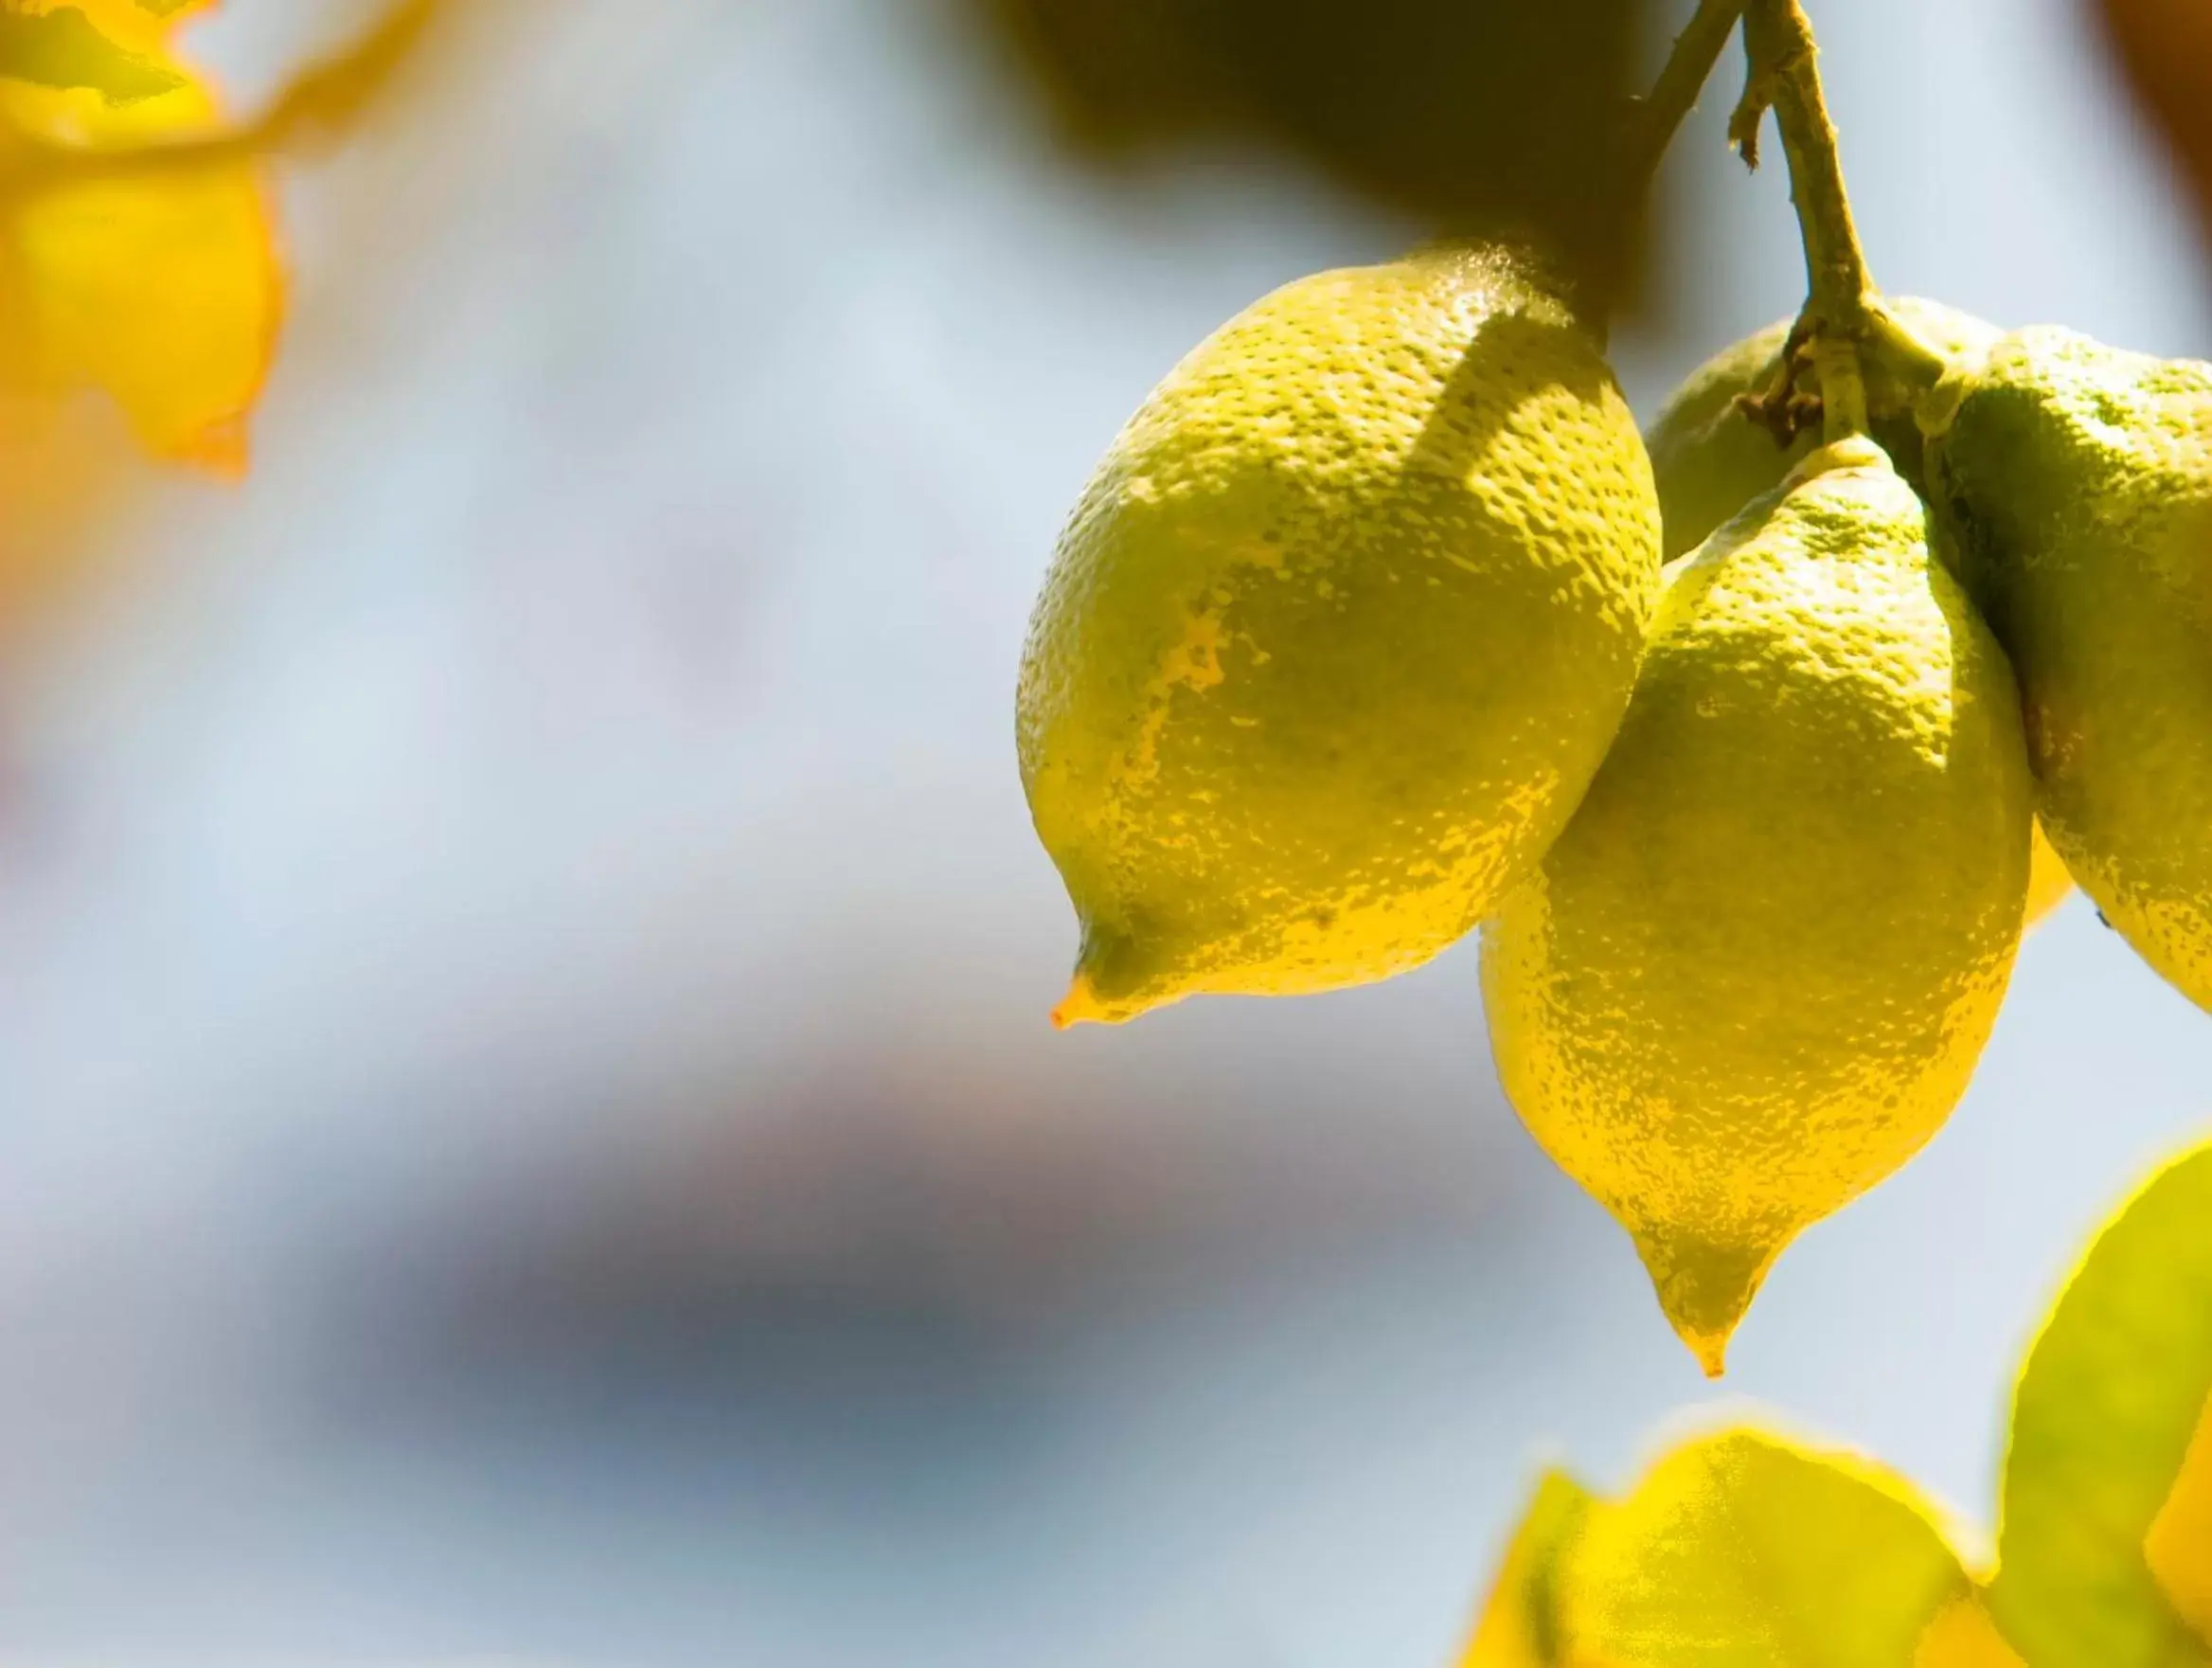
[(1338, 633), (2075, 481), (1710, 460), (1753, 975)]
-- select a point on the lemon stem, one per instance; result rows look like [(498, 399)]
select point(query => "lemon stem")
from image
[(1661, 112), (1842, 314), (322, 103)]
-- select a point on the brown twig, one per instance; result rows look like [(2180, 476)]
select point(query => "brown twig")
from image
[(1660, 113)]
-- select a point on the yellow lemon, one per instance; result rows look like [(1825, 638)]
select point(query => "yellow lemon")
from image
[(1338, 633), (1753, 975), (1710, 460), (2049, 883), (2075, 481)]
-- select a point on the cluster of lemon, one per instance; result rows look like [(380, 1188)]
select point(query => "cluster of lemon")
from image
[(1380, 621)]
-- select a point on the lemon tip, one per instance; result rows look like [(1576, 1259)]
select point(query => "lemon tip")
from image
[(1711, 1350), (1705, 1290), (1080, 1006)]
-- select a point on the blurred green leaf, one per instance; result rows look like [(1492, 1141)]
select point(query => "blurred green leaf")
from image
[(2107, 1406), (64, 50), (1473, 115), (1742, 1551)]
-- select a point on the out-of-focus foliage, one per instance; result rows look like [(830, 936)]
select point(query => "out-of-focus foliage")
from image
[(1734, 1549), (2166, 46), (1480, 116), (2112, 1397), (1742, 1549), (138, 253), (66, 49), (163, 288), (134, 307), (2179, 1546), (1471, 115), (1519, 1624)]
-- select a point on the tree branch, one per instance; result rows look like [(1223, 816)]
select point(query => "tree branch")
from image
[(1661, 112), (1843, 311)]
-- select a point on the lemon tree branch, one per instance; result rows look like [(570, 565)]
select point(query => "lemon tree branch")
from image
[(1843, 309), (1674, 94), (321, 105)]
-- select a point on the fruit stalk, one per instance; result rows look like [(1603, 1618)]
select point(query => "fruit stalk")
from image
[(1842, 313), (1674, 94)]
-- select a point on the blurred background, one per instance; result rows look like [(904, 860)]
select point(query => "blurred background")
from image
[(527, 1128)]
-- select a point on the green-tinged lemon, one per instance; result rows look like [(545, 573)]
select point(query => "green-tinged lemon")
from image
[(1710, 460), (1338, 633), (1753, 975), (2075, 481)]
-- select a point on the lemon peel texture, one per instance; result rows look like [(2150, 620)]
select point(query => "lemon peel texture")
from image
[(1710, 460), (1337, 635), (1753, 975), (2076, 483)]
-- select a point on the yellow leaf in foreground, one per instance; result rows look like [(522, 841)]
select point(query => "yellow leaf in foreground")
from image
[(2179, 1546), (60, 482), (65, 48), (2108, 1407), (1519, 1627), (135, 23), (1740, 1550), (1962, 1635), (161, 287)]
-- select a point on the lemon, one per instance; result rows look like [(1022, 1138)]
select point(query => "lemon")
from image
[(1710, 460), (2049, 883), (1337, 635), (2077, 482), (1755, 975)]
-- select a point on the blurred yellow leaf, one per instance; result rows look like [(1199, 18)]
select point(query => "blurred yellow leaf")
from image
[(60, 482), (2179, 1546), (142, 23), (1962, 1635), (163, 289), (1519, 1627), (2107, 1408), (67, 47), (1742, 1551)]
